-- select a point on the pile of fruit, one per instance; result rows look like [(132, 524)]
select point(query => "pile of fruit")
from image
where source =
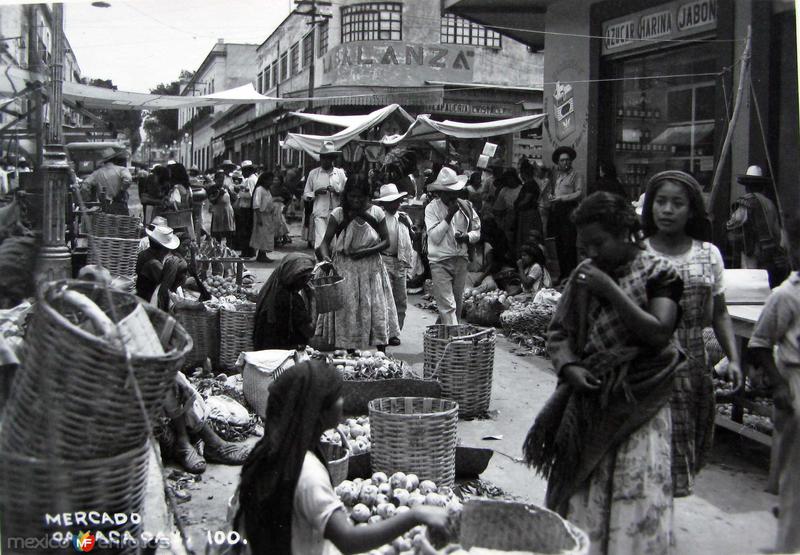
[(479, 295), (381, 497), (751, 419), (368, 365), (357, 433), (220, 286)]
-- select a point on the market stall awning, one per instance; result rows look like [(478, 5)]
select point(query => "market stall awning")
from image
[(426, 129), (311, 144), (350, 121)]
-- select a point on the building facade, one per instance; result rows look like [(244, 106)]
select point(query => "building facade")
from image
[(227, 65), (650, 84), (366, 55)]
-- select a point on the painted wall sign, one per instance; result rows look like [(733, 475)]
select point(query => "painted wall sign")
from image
[(670, 21), (475, 109), (396, 63)]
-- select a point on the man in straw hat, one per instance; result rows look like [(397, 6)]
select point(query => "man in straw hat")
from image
[(754, 228), (452, 225), (150, 262), (569, 189), (324, 185), (398, 255), (111, 182)]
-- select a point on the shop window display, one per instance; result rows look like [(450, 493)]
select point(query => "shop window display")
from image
[(663, 123)]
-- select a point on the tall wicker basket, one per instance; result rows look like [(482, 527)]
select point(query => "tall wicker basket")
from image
[(415, 434), (235, 333), (117, 255), (31, 488), (462, 359), (72, 397), (114, 225), (328, 291), (202, 324)]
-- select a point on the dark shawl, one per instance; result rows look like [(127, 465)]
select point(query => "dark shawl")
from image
[(574, 431), (270, 474), (282, 320)]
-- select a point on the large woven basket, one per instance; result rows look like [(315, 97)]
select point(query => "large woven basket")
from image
[(114, 225), (328, 291), (235, 333), (358, 393), (414, 434), (31, 488), (73, 397), (203, 326), (462, 359), (117, 255), (519, 527)]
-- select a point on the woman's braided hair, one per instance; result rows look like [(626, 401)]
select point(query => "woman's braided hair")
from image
[(613, 213)]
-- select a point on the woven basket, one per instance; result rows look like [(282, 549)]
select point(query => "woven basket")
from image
[(113, 225), (484, 314), (235, 333), (117, 255), (462, 359), (337, 457), (511, 526), (31, 488), (203, 327), (328, 291), (358, 393), (414, 434), (72, 397)]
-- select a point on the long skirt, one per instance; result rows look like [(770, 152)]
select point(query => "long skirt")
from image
[(244, 229), (527, 221), (566, 235), (368, 316), (263, 236), (626, 504)]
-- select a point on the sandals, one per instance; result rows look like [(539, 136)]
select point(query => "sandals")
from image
[(228, 453), (190, 460)]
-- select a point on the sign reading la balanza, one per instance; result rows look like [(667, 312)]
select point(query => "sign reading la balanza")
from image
[(669, 21), (397, 63)]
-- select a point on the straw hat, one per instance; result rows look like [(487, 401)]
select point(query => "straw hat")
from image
[(389, 193), (447, 180), (754, 176), (328, 149), (247, 164), (164, 236), (227, 162)]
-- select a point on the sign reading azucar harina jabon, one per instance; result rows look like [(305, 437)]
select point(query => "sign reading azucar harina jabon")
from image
[(668, 21)]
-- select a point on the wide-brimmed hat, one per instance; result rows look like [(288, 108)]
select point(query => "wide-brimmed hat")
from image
[(564, 150), (328, 149), (447, 180), (109, 153), (164, 236), (389, 193), (247, 164), (754, 176), (228, 163)]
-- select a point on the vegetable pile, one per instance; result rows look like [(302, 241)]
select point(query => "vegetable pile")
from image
[(220, 286), (382, 497), (368, 365), (357, 433)]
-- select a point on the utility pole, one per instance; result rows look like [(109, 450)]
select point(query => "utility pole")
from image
[(313, 24), (56, 135), (36, 122)]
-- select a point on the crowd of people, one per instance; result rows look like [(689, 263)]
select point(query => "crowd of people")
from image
[(630, 424)]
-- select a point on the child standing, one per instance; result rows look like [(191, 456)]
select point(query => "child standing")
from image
[(775, 345), (603, 438), (675, 224)]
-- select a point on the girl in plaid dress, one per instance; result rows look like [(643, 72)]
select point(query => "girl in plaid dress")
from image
[(675, 224), (603, 438)]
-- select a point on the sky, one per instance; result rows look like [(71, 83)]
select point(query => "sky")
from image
[(141, 43)]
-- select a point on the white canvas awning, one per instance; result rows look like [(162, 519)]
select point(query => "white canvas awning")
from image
[(350, 121), (311, 144), (426, 129)]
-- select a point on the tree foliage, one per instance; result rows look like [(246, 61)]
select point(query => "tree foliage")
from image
[(120, 121), (162, 125)]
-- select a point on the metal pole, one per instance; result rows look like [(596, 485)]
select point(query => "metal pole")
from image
[(311, 65), (56, 134), (35, 65)]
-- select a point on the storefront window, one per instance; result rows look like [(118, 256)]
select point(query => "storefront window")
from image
[(372, 21), (295, 58), (457, 30), (662, 123), (284, 67), (323, 38)]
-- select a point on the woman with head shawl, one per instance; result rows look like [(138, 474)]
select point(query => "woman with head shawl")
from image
[(283, 319), (675, 223), (286, 501), (602, 440)]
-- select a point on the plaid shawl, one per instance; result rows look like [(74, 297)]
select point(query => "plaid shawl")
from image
[(575, 430)]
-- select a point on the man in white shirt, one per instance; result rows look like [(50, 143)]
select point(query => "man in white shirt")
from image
[(111, 182), (452, 225), (324, 185)]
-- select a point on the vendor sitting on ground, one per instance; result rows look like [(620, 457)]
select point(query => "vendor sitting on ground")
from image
[(488, 260), (184, 407), (144, 242), (283, 319), (532, 270), (150, 262)]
